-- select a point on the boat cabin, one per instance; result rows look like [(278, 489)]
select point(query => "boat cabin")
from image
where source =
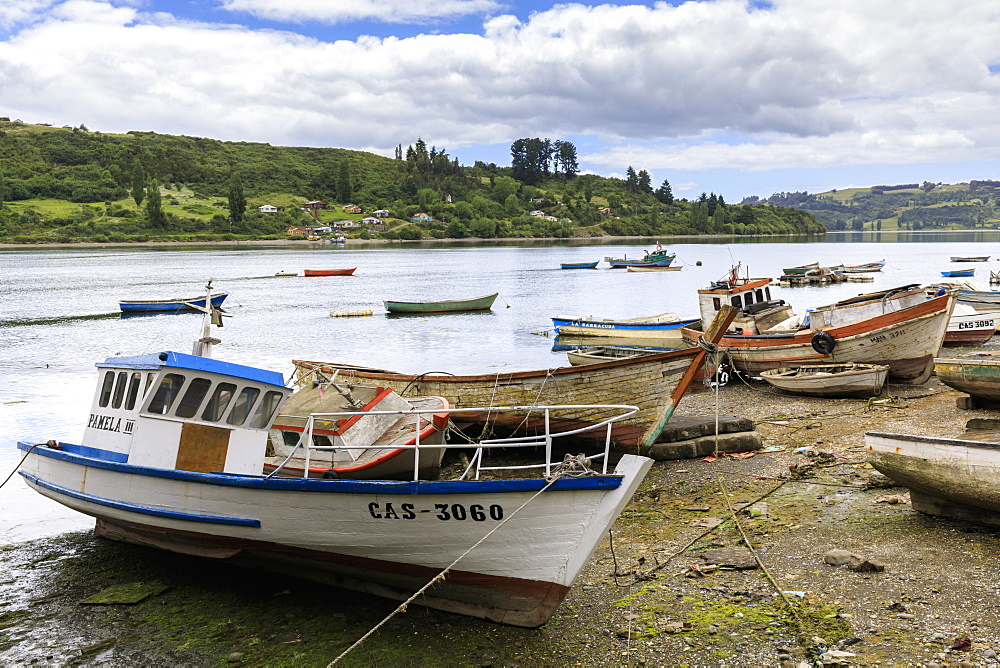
[(175, 411), (752, 296)]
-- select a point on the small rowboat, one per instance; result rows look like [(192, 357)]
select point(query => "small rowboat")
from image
[(800, 270), (170, 305), (959, 272), (974, 258), (869, 267), (329, 272), (662, 326), (578, 265), (484, 303), (632, 269), (598, 354), (829, 380), (286, 273)]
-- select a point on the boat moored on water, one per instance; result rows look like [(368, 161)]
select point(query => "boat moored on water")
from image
[(661, 326), (484, 303), (658, 258), (579, 265), (329, 272), (176, 305), (972, 258), (959, 273)]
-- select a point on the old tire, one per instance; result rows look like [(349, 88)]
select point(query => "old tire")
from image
[(823, 343)]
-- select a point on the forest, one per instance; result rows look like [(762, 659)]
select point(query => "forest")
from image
[(72, 184)]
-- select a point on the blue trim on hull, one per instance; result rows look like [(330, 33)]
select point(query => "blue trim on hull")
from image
[(144, 510), (152, 306), (72, 454)]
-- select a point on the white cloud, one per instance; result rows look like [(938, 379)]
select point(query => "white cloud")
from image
[(13, 12), (334, 11), (700, 86)]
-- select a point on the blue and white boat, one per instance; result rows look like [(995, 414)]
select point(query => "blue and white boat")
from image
[(658, 258), (662, 326), (176, 455), (176, 305), (579, 265)]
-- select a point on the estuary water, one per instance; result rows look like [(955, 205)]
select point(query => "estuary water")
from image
[(59, 312)]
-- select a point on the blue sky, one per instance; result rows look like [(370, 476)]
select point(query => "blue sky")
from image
[(727, 96)]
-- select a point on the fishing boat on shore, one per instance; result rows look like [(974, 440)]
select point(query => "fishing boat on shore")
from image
[(970, 327), (658, 258), (899, 328), (957, 478), (579, 265), (174, 456), (329, 272), (661, 326), (653, 383), (829, 380), (976, 374), (484, 303), (176, 305)]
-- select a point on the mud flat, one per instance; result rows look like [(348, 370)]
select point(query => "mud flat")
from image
[(674, 585)]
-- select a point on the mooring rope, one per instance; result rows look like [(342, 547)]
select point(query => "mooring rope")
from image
[(28, 452)]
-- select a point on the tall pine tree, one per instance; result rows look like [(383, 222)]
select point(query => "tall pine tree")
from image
[(237, 202)]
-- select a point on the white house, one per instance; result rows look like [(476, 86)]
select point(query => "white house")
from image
[(267, 208), (371, 220), (381, 213)]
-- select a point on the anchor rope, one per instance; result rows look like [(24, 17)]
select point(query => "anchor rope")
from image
[(28, 452)]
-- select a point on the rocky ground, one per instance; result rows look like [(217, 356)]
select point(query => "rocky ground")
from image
[(659, 593)]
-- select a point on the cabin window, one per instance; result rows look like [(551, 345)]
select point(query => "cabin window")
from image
[(244, 403), (167, 391), (265, 410), (735, 301), (133, 390), (748, 298), (767, 291), (149, 381), (106, 387), (219, 402), (760, 295), (716, 303), (120, 385), (193, 397)]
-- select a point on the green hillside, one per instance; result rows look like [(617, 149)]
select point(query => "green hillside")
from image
[(925, 206), (71, 184)]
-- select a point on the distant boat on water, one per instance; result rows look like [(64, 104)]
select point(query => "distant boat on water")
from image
[(329, 272), (973, 258), (579, 265), (959, 273), (483, 303), (175, 305)]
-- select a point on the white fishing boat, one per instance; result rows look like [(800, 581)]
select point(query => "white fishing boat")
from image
[(971, 327), (829, 380), (949, 477), (173, 456)]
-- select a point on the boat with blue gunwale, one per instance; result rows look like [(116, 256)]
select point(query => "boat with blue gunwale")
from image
[(662, 326), (176, 305), (958, 273), (579, 265), (658, 258)]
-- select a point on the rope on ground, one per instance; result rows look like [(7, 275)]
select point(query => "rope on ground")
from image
[(441, 576)]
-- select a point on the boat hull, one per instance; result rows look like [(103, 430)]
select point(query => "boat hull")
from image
[(971, 328), (646, 382), (946, 477), (169, 305), (977, 377), (905, 340), (385, 538), (578, 265), (483, 303), (829, 380), (621, 328), (329, 272)]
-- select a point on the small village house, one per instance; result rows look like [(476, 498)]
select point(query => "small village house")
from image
[(267, 208)]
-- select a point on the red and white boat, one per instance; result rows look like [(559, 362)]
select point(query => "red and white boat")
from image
[(969, 327), (899, 328), (329, 272)]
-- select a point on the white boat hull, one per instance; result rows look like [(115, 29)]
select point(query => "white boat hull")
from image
[(947, 477), (386, 538)]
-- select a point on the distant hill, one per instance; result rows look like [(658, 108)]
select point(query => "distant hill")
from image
[(909, 206), (71, 184)]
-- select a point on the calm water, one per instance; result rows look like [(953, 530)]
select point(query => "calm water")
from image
[(59, 313)]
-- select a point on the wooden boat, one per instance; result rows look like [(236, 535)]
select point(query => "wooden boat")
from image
[(180, 467), (980, 299), (978, 375), (634, 268), (948, 477), (598, 354), (869, 267), (483, 303), (662, 326), (658, 258), (578, 265), (829, 380), (969, 327), (170, 305), (286, 273), (801, 269), (899, 328), (959, 272), (329, 272), (994, 277), (358, 433), (974, 258), (649, 382)]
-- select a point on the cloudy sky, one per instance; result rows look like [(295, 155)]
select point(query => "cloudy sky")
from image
[(727, 96)]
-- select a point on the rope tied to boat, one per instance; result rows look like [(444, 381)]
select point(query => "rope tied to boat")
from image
[(572, 466)]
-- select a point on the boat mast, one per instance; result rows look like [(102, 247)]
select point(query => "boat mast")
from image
[(203, 346)]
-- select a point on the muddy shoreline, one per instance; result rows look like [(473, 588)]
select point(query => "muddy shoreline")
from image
[(639, 601)]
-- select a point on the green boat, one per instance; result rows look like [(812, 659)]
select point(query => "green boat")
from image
[(483, 303), (800, 271)]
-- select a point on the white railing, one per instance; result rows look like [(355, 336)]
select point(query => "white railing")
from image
[(306, 444)]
